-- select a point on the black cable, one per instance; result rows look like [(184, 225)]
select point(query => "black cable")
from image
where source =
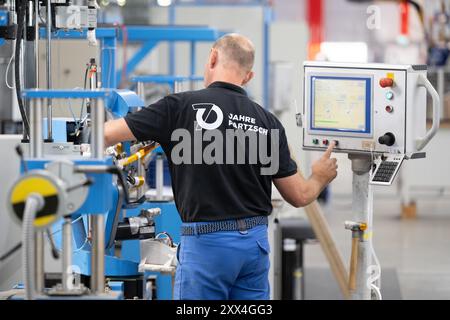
[(19, 152), (121, 179), (21, 9), (84, 87), (11, 252)]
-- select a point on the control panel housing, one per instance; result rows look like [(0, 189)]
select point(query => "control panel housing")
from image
[(365, 108)]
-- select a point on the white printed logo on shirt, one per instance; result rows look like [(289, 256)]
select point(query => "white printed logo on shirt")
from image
[(201, 108)]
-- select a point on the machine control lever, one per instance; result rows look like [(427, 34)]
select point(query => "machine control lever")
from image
[(388, 139)]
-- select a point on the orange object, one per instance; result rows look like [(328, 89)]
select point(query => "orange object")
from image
[(314, 11), (386, 82), (404, 18)]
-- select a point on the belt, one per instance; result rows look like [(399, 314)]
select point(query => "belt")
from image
[(241, 225)]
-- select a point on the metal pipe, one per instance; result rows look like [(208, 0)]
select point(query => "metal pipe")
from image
[(67, 254), (97, 123), (36, 128), (193, 64), (49, 70), (12, 5), (22, 71), (99, 168), (441, 87), (159, 177), (31, 241), (36, 42), (98, 255), (140, 90), (177, 86), (30, 13), (361, 165), (141, 173), (22, 60), (36, 152), (39, 261), (93, 81)]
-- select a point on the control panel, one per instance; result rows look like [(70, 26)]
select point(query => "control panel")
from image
[(367, 108)]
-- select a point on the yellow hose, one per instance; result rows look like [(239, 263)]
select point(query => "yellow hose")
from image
[(138, 155)]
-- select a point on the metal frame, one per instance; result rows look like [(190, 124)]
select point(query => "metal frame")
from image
[(98, 97), (149, 36)]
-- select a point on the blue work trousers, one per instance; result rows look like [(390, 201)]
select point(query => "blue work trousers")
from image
[(224, 265)]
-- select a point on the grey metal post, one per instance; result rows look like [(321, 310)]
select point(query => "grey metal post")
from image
[(177, 86), (36, 152), (22, 78), (49, 70), (159, 177), (361, 165), (98, 255), (97, 221), (67, 254), (140, 90), (36, 128), (39, 261), (441, 87), (36, 43), (97, 122)]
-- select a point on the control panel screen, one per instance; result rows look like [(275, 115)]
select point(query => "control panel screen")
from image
[(341, 104)]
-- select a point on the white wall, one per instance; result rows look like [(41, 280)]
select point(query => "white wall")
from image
[(291, 49)]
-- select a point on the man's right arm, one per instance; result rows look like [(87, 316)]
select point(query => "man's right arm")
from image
[(149, 123), (116, 131), (300, 192)]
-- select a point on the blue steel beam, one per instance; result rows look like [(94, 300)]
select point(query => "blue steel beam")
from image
[(144, 33), (65, 94), (172, 33), (164, 79), (136, 59), (80, 34), (108, 62)]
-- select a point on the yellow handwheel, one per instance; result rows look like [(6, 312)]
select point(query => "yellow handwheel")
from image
[(42, 183)]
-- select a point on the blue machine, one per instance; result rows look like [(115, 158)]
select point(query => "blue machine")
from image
[(103, 198), (103, 193), (3, 22)]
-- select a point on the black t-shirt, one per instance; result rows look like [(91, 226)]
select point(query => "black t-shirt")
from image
[(213, 177)]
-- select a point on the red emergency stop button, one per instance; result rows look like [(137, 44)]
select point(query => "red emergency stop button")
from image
[(386, 82)]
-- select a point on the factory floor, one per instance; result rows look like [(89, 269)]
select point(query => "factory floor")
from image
[(414, 254)]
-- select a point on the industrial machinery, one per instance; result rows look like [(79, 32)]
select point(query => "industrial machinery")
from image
[(71, 190), (83, 188), (375, 113)]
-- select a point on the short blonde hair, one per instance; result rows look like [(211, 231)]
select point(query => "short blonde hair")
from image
[(236, 49)]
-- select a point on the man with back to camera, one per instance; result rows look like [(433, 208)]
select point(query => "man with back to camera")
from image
[(223, 203)]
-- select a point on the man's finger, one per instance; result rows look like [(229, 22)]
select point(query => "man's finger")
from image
[(329, 150)]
